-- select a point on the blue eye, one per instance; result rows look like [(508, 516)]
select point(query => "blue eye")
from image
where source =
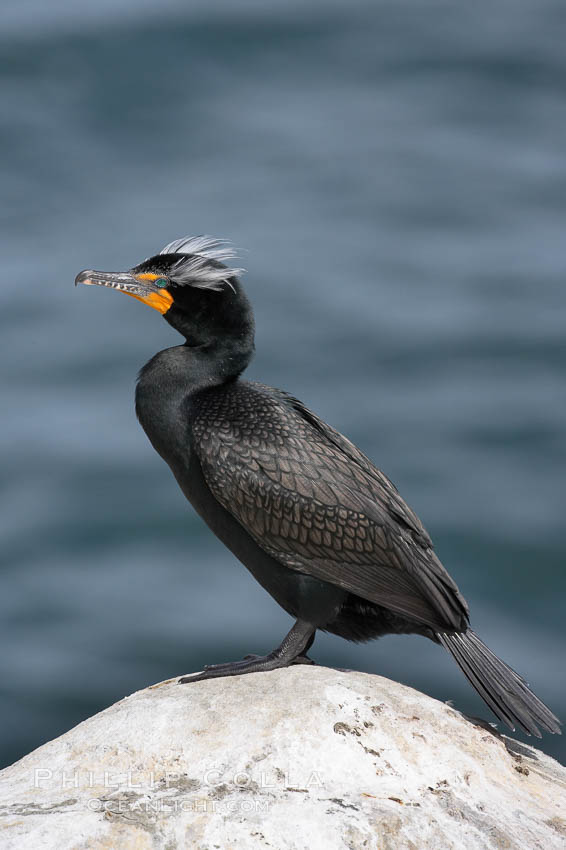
[(161, 281)]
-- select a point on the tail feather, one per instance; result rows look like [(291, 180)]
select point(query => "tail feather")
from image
[(504, 691)]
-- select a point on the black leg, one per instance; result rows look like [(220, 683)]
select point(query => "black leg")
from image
[(303, 657), (291, 650)]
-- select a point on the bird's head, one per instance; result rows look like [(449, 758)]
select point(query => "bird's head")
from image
[(190, 285)]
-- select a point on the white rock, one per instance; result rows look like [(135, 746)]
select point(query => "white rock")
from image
[(305, 758)]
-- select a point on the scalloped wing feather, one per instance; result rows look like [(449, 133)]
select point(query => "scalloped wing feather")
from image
[(317, 506)]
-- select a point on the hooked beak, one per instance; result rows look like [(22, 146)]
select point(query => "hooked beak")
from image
[(143, 287)]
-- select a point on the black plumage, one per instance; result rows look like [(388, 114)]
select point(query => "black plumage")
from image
[(315, 503), (317, 524)]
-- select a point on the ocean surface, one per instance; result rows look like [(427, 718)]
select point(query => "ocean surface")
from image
[(395, 175)]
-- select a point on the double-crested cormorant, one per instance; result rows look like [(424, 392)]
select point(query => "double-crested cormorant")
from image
[(321, 529)]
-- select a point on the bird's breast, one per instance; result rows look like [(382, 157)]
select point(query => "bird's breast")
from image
[(162, 413)]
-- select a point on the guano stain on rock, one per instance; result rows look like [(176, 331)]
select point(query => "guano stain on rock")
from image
[(239, 763)]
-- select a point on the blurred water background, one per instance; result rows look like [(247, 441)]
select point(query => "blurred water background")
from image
[(396, 172)]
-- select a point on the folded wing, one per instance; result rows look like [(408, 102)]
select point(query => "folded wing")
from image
[(315, 503)]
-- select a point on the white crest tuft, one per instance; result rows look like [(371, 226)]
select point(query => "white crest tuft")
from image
[(199, 268)]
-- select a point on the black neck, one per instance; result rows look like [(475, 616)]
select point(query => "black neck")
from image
[(188, 368), (212, 364)]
